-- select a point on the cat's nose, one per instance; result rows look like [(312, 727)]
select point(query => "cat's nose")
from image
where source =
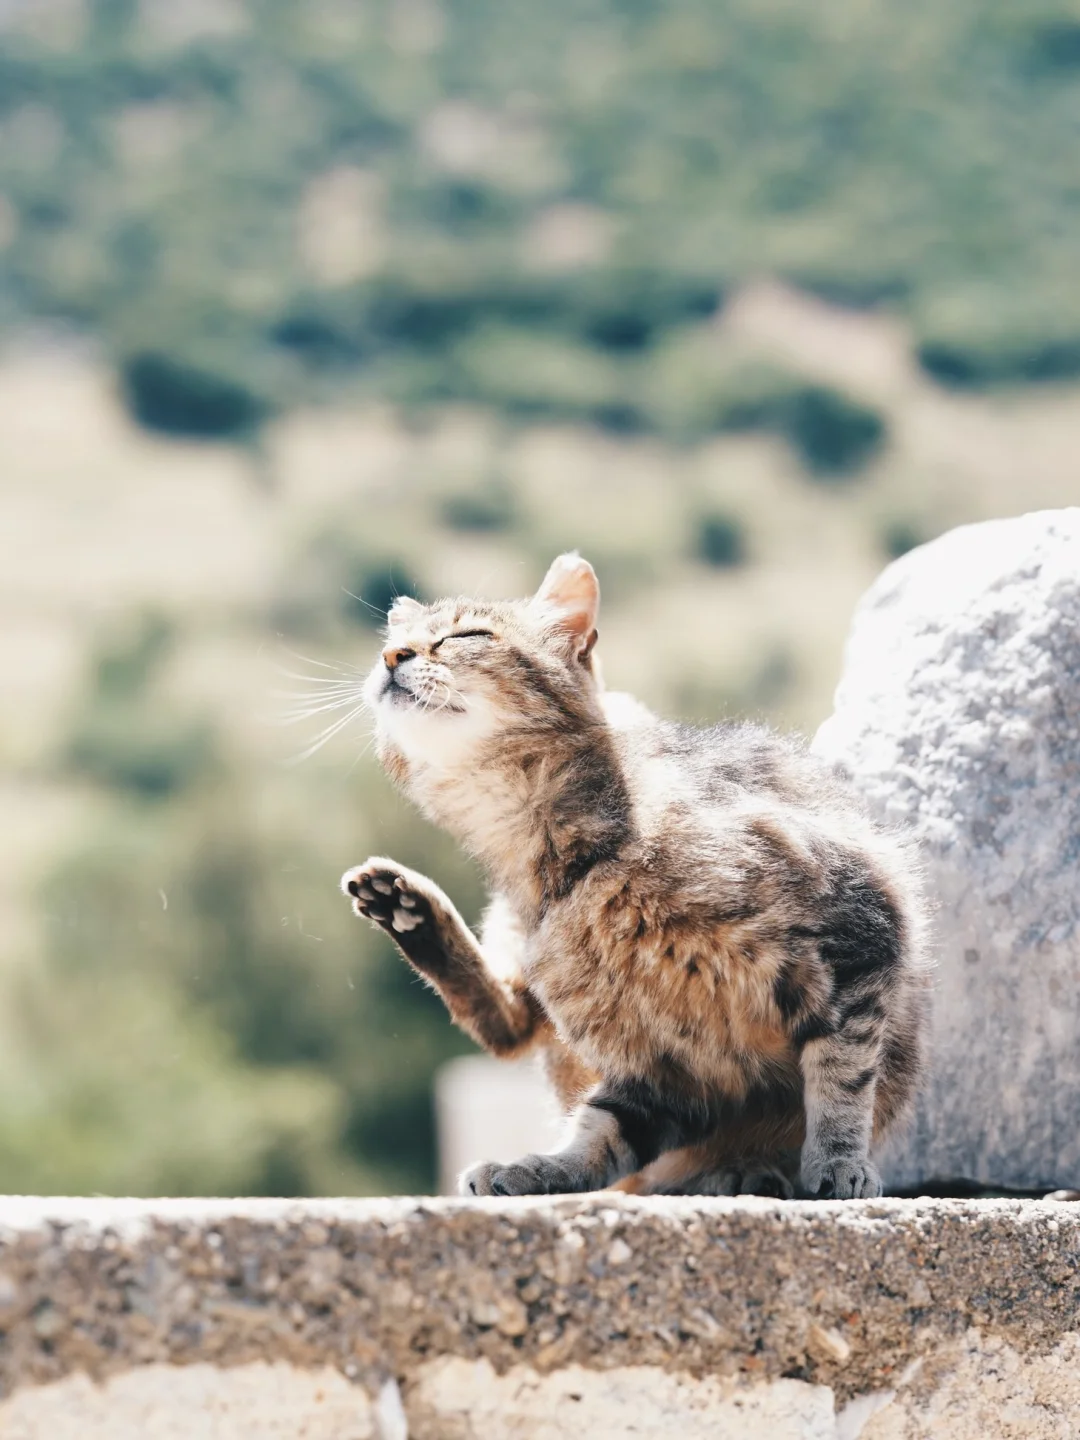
[(393, 655)]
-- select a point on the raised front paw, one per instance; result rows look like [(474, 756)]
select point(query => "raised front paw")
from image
[(840, 1179), (387, 893), (535, 1175)]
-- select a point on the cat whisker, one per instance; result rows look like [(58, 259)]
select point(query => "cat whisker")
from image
[(361, 753), (327, 735), (301, 698), (324, 681), (452, 700), (428, 689), (366, 603), (305, 712), (341, 668), (453, 694)]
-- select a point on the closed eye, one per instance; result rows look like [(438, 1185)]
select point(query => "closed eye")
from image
[(465, 635)]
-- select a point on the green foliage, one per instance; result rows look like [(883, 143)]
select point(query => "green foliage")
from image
[(159, 190), (488, 507), (721, 541), (177, 398), (975, 362), (345, 577), (117, 1088), (120, 739), (1052, 50), (973, 338), (900, 536), (535, 376), (700, 388), (374, 583), (211, 1018), (834, 434), (622, 309), (150, 755), (126, 661)]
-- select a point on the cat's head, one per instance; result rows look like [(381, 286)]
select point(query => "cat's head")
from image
[(457, 674)]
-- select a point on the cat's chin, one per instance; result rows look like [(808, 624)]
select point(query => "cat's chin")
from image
[(434, 735)]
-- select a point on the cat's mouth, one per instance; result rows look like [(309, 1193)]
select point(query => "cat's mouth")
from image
[(397, 694), (404, 698)]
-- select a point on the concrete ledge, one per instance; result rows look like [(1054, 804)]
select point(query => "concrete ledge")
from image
[(601, 1316)]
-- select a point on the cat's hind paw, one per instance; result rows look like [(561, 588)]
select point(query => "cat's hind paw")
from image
[(766, 1180)]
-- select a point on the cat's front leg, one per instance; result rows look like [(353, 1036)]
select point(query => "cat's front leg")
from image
[(839, 1077), (608, 1139), (422, 921)]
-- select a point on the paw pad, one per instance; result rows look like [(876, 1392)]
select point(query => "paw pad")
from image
[(382, 894)]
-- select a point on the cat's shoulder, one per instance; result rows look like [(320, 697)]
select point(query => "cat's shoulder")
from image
[(625, 712)]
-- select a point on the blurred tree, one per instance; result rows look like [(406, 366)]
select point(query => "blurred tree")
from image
[(721, 541), (834, 434), (196, 1028), (486, 507), (900, 536), (121, 739), (157, 188), (178, 398)]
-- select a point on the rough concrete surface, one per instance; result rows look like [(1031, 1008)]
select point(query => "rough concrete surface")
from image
[(194, 1402), (604, 1316), (958, 715)]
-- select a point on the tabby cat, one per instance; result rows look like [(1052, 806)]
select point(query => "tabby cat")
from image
[(720, 958)]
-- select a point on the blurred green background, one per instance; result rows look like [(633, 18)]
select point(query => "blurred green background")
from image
[(305, 304)]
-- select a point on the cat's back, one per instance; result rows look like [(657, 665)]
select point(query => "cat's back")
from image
[(684, 768), (735, 759), (746, 800)]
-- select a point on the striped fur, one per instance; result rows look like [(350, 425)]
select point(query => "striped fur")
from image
[(720, 958)]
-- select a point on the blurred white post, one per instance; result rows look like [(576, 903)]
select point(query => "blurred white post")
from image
[(489, 1109)]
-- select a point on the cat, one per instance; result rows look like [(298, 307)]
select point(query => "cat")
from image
[(721, 960)]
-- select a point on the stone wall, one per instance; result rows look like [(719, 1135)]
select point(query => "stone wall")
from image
[(602, 1317)]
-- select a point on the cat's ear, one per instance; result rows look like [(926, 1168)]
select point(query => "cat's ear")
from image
[(570, 599), (404, 609)]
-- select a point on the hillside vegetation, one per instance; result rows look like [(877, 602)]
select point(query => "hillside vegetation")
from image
[(531, 206)]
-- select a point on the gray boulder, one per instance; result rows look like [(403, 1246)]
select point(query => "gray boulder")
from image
[(958, 715)]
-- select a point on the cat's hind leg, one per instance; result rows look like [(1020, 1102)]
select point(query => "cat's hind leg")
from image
[(644, 1141), (751, 1147), (694, 1170)]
